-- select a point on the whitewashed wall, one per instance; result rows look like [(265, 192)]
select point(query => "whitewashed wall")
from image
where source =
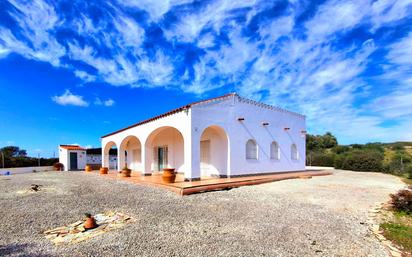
[(64, 158), (22, 170), (225, 114), (230, 160)]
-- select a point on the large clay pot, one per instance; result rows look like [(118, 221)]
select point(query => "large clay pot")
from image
[(90, 223), (126, 172), (169, 175), (88, 168), (104, 170)]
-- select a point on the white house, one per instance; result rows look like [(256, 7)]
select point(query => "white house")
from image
[(73, 157), (224, 136)]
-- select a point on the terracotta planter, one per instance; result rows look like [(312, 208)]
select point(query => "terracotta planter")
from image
[(88, 168), (58, 166), (126, 173), (90, 223), (169, 175), (104, 170)]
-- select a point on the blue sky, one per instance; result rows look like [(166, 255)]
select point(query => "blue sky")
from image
[(72, 71)]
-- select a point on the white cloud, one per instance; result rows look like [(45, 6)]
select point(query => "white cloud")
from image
[(158, 71), (36, 18), (156, 9), (107, 103), (84, 76), (70, 99)]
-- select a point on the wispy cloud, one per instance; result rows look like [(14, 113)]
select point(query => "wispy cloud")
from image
[(339, 62), (107, 103), (67, 98)]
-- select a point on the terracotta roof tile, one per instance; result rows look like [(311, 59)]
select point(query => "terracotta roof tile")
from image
[(72, 147)]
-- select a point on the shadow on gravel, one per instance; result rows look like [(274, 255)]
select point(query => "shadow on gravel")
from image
[(19, 250)]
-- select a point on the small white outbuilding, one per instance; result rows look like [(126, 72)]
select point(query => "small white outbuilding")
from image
[(225, 136), (73, 157)]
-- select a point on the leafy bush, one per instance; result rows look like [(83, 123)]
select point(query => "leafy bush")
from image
[(398, 163), (339, 149), (321, 159), (360, 160), (409, 171), (402, 200)]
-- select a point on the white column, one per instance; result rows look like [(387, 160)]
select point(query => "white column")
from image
[(192, 156), (120, 159), (146, 160)]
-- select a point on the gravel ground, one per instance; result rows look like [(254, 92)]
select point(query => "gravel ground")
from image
[(322, 216)]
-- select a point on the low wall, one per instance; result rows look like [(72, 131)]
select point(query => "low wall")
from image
[(25, 169), (319, 168)]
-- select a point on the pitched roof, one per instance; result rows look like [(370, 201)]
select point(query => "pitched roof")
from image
[(72, 147), (185, 107)]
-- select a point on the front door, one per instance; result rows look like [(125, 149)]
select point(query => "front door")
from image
[(73, 161), (161, 158)]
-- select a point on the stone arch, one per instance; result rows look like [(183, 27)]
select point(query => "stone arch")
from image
[(108, 161), (130, 153), (165, 149), (214, 152)]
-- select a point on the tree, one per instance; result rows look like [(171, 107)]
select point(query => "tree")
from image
[(329, 140), (13, 151), (320, 142)]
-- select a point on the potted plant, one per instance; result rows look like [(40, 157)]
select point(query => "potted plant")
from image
[(169, 175), (126, 172), (104, 170), (88, 168), (90, 222), (58, 166)]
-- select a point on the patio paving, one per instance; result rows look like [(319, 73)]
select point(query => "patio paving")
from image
[(182, 187)]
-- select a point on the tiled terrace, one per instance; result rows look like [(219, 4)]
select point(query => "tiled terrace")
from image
[(182, 187)]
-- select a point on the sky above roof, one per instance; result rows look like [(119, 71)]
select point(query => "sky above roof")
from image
[(71, 71)]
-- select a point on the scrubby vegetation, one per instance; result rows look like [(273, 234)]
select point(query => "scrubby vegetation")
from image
[(394, 158), (16, 157), (402, 201), (399, 233)]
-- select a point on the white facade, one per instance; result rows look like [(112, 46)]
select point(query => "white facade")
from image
[(210, 138), (72, 157), (96, 159)]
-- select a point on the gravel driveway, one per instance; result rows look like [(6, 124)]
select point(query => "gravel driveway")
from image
[(322, 216)]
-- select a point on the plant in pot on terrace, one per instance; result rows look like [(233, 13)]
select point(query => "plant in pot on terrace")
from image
[(126, 172)]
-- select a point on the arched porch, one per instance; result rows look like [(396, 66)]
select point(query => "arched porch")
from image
[(130, 153), (164, 148), (110, 158), (214, 152)]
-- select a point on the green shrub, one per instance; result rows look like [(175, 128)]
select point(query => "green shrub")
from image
[(360, 160), (322, 159), (409, 171), (339, 149)]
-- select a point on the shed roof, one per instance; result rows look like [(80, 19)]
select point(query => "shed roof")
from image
[(73, 147)]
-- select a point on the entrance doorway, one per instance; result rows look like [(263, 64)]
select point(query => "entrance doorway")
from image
[(162, 154), (205, 157), (73, 161)]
